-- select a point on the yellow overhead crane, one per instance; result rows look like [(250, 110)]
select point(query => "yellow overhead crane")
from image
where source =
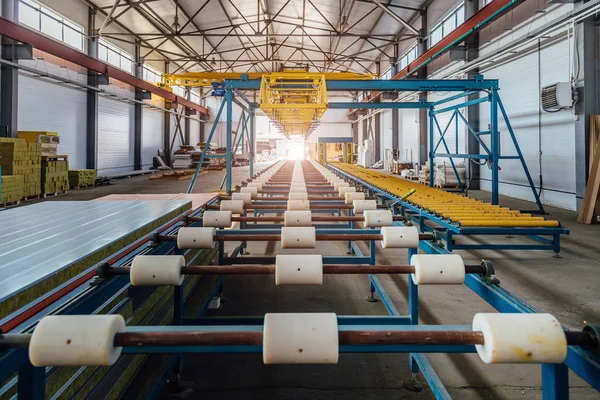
[(294, 100)]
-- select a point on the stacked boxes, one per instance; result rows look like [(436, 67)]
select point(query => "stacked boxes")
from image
[(82, 177), (12, 187), (18, 157), (55, 175)]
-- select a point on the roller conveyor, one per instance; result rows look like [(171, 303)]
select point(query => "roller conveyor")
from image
[(462, 210)]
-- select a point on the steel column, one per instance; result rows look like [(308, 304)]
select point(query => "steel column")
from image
[(9, 78), (138, 113), (228, 133), (187, 122), (422, 74), (377, 137), (495, 144), (167, 126), (431, 151), (472, 43), (91, 119), (251, 143)]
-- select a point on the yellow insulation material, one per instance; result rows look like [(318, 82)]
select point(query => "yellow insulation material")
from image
[(459, 209)]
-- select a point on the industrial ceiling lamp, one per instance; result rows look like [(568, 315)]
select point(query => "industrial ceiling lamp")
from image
[(213, 62)]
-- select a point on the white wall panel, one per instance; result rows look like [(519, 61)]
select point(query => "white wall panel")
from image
[(194, 131), (408, 121), (152, 135), (48, 106), (386, 136), (520, 95), (115, 136)]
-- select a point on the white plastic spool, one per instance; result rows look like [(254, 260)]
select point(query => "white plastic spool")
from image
[(298, 196), (196, 238), (75, 340), (378, 218), (297, 218), (309, 338), (362, 205), (298, 237), (252, 190), (438, 269), (351, 196), (346, 189), (257, 185), (520, 338), (235, 206), (400, 237), (245, 197), (338, 185), (217, 219), (298, 205), (298, 269), (157, 270)]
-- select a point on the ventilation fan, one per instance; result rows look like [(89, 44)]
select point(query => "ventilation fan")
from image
[(557, 96)]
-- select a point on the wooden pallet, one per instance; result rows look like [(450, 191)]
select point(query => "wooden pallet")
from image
[(29, 198), (10, 204), (55, 158), (438, 186), (54, 194), (411, 178), (83, 187), (176, 175)]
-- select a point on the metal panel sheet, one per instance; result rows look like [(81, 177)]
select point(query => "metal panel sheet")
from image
[(39, 240), (197, 199), (115, 136)]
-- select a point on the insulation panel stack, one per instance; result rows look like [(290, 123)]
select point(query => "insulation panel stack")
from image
[(55, 175), (79, 178), (12, 188), (18, 157)]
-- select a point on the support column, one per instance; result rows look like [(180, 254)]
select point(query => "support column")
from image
[(472, 43), (202, 135), (252, 144), (365, 134), (422, 74), (228, 133), (355, 132), (9, 78), (187, 122), (395, 113), (167, 126), (377, 136), (587, 103), (138, 116), (91, 119)]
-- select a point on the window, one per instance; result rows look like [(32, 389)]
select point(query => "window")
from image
[(408, 57), (195, 97), (151, 74), (48, 22), (447, 25), (115, 56)]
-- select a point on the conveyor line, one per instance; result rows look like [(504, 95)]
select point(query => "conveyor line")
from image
[(464, 211)]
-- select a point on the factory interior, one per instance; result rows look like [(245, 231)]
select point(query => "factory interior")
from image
[(300, 199)]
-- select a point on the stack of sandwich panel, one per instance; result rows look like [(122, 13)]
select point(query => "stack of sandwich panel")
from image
[(18, 157)]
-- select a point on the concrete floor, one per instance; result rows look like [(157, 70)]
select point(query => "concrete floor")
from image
[(566, 287)]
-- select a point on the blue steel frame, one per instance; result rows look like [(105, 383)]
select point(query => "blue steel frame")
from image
[(548, 238), (465, 87), (491, 154)]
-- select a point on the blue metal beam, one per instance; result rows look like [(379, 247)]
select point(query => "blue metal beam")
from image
[(391, 105)]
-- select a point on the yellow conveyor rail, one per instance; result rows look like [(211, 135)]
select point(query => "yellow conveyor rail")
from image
[(458, 209)]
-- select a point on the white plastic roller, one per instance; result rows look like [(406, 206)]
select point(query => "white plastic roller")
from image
[(217, 219), (297, 218), (298, 237), (362, 205), (299, 270), (346, 189), (196, 238), (157, 270), (400, 237), (351, 196), (298, 205), (298, 196), (75, 340), (235, 206), (245, 197), (309, 338), (438, 269), (298, 189), (338, 185), (257, 185), (520, 338), (252, 190), (378, 218)]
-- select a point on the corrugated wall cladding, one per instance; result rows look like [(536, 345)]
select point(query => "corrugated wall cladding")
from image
[(520, 94), (45, 105), (115, 136), (152, 135), (408, 121)]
